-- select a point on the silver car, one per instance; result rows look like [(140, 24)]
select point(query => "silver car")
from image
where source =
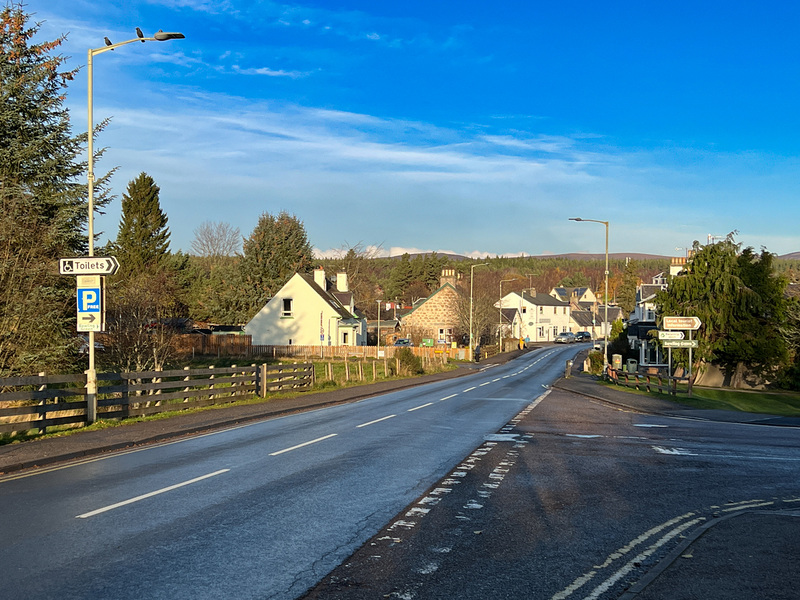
[(565, 337)]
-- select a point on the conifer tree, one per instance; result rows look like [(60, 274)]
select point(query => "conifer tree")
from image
[(142, 243), (42, 204), (277, 248), (739, 300)]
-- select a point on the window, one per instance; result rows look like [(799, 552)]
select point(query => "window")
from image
[(287, 308)]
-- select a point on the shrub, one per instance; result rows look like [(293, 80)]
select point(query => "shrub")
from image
[(410, 363)]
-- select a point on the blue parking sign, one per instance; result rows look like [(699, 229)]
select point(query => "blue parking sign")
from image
[(88, 299)]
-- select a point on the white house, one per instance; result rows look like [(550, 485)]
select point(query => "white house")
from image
[(541, 317), (310, 311), (642, 322)]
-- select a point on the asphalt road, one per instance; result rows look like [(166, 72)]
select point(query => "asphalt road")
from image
[(576, 499), (263, 510)]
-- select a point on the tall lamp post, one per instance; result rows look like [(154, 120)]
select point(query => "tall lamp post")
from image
[(471, 278), (160, 36), (605, 326)]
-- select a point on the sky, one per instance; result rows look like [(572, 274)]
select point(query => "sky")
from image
[(472, 127)]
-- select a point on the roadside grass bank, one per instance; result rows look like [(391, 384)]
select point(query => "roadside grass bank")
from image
[(778, 403)]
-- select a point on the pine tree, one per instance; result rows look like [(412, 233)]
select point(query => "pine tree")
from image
[(277, 248), (142, 243), (43, 207)]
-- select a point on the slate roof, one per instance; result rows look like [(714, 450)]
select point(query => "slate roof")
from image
[(543, 300), (329, 297)]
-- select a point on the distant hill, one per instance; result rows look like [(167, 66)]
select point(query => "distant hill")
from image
[(570, 256)]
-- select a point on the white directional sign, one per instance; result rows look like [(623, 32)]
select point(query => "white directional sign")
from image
[(680, 344), (670, 335), (91, 312), (685, 323), (88, 265)]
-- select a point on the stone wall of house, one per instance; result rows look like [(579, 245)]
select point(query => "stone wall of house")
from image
[(438, 311)]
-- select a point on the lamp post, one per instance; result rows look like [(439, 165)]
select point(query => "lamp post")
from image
[(378, 342), (471, 278), (605, 326), (160, 36)]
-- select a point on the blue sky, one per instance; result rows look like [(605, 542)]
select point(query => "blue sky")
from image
[(469, 127)]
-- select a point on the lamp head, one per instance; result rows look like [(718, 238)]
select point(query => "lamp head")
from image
[(163, 36)]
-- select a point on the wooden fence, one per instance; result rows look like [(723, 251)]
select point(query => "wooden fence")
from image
[(649, 382), (41, 401), (241, 345)]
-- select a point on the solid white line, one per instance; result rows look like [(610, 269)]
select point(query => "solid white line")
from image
[(303, 444), (418, 407), (150, 495), (375, 421), (448, 397)]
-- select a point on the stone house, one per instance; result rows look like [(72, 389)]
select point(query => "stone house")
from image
[(435, 317)]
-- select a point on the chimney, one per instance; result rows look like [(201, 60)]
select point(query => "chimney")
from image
[(319, 277), (448, 276), (341, 282)]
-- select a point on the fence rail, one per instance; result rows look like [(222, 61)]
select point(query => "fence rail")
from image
[(32, 403)]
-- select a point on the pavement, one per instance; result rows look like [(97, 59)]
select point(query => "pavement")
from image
[(715, 562)]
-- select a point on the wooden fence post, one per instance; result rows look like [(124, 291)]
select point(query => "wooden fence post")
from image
[(262, 380)]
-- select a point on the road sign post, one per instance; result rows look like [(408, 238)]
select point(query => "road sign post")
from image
[(681, 324)]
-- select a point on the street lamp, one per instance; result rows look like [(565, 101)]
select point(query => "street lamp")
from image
[(160, 36), (471, 277), (605, 327)]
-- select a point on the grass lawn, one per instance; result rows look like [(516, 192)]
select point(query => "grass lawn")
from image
[(785, 404), (780, 403)]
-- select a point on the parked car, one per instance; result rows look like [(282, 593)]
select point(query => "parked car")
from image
[(403, 342), (583, 336), (565, 337)]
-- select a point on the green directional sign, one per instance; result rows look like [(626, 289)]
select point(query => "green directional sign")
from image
[(680, 343)]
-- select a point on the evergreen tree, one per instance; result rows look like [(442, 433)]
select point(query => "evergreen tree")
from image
[(142, 243), (740, 302), (277, 248), (43, 207), (626, 294)]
